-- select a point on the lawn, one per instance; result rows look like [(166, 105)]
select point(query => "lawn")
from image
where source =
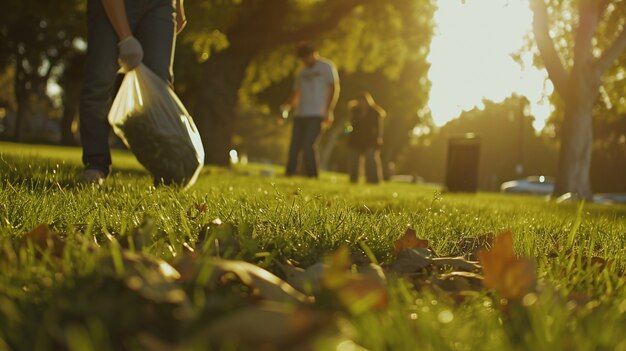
[(99, 275)]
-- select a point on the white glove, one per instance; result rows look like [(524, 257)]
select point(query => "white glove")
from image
[(131, 53)]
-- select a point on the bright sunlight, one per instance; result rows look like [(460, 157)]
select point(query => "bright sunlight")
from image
[(471, 58)]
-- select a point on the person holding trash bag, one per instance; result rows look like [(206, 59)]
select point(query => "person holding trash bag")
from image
[(121, 33), (314, 97), (366, 137)]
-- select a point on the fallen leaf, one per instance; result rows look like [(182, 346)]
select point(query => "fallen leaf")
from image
[(512, 277), (271, 326), (373, 271), (409, 241), (456, 262), (308, 280), (151, 277), (362, 293), (44, 239), (358, 292), (412, 260), (337, 266), (264, 283), (598, 263), (459, 281)]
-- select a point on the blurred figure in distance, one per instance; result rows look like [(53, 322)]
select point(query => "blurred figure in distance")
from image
[(366, 137), (314, 97)]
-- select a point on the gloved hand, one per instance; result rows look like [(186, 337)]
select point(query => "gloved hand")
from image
[(131, 53)]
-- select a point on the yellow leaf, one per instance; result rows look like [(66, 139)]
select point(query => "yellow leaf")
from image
[(510, 276)]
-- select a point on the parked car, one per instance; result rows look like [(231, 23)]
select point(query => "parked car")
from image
[(537, 185), (610, 198)]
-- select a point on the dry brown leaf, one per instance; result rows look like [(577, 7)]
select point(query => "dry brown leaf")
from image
[(151, 277), (409, 241), (412, 260), (269, 326), (307, 280), (358, 292), (512, 277), (264, 283), (456, 262), (459, 282), (44, 239), (338, 266), (363, 293)]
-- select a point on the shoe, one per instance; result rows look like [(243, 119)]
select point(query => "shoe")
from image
[(94, 176)]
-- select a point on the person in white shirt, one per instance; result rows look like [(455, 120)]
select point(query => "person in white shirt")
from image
[(314, 97)]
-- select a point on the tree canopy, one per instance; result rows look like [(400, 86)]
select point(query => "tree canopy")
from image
[(245, 47)]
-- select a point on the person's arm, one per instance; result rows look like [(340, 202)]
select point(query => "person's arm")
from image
[(131, 52), (293, 99), (181, 18), (116, 12), (288, 105), (331, 100), (333, 94)]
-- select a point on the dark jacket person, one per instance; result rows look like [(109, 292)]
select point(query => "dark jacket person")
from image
[(366, 138)]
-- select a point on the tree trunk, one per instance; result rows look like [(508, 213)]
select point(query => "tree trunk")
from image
[(395, 139), (214, 111), (20, 117), (576, 147)]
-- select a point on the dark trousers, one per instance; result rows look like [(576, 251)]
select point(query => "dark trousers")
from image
[(152, 23), (304, 136), (373, 169)]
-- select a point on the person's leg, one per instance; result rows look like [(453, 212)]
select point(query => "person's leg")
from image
[(297, 136), (311, 133), (155, 30), (373, 169), (100, 74), (355, 164)]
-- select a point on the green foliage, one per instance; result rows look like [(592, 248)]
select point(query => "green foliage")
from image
[(564, 16)]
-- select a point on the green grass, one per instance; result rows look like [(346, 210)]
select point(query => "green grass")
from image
[(45, 304)]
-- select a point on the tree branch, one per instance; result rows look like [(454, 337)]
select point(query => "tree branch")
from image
[(612, 53), (589, 15), (323, 25), (547, 49)]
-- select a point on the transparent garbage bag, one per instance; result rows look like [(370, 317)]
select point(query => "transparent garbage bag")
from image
[(150, 119)]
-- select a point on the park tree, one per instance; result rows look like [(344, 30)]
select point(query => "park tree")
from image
[(37, 37), (580, 43), (246, 46)]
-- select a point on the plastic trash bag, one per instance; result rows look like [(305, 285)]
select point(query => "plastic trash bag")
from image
[(150, 119)]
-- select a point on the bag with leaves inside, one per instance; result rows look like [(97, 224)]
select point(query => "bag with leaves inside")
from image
[(153, 123)]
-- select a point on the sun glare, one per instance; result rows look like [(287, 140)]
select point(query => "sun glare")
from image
[(471, 58)]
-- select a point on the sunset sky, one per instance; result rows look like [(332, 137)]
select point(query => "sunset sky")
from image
[(471, 58)]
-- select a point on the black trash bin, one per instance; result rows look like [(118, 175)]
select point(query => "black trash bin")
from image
[(462, 167)]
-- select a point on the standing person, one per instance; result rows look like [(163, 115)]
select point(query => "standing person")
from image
[(121, 33), (314, 97), (366, 138)]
